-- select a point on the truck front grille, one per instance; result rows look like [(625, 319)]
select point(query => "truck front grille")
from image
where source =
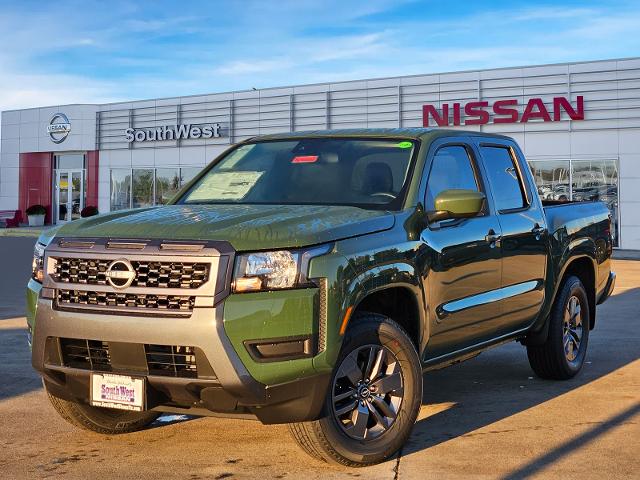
[(161, 360), (157, 274), (72, 298)]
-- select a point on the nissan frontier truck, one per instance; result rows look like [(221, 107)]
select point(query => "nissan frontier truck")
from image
[(310, 279)]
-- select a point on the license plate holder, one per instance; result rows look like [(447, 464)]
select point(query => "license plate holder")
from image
[(122, 392)]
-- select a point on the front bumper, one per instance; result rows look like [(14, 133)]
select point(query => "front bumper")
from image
[(224, 385)]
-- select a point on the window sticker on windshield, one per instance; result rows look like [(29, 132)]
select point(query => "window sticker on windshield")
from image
[(225, 186), (405, 145)]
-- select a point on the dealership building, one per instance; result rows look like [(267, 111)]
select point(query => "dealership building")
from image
[(577, 123)]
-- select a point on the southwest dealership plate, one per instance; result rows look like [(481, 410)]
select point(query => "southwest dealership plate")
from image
[(117, 391)]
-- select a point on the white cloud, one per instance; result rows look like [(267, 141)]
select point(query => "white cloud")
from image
[(244, 67)]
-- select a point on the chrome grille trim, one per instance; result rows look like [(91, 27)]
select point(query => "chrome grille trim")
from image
[(176, 271), (125, 300), (160, 274)]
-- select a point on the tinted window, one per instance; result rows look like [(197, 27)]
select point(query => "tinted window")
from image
[(451, 169), (503, 177), (318, 171)]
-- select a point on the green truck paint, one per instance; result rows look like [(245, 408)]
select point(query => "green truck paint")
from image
[(456, 286)]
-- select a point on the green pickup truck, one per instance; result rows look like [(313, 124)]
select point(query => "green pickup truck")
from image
[(310, 279)]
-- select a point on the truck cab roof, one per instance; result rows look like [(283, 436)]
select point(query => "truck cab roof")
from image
[(415, 133)]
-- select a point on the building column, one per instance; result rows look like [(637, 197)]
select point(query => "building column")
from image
[(35, 182)]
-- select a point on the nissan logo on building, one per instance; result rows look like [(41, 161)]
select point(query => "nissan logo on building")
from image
[(120, 274), (59, 128)]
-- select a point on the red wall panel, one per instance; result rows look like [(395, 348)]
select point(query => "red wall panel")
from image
[(92, 178), (35, 182)]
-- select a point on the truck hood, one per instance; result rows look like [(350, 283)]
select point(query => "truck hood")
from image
[(246, 227)]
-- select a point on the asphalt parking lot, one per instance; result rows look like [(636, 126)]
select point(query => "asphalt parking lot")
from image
[(488, 417)]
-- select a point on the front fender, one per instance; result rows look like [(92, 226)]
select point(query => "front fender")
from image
[(361, 275)]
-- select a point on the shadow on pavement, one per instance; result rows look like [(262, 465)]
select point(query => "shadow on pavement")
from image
[(15, 364), (16, 254), (500, 383), (570, 447)]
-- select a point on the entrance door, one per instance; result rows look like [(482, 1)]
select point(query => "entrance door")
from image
[(69, 195)]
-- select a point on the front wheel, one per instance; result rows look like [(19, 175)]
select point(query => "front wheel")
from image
[(562, 355), (101, 420), (373, 399)]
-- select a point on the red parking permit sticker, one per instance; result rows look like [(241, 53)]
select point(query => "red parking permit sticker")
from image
[(305, 159)]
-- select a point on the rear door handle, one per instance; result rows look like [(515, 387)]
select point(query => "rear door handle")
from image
[(492, 237), (538, 230)]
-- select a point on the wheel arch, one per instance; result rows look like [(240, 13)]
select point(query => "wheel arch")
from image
[(584, 267), (398, 302)]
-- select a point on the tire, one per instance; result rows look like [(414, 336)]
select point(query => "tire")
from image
[(101, 420), (378, 345), (562, 355)]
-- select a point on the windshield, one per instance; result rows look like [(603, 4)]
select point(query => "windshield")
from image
[(370, 173)]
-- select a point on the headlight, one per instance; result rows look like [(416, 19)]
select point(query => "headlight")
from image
[(281, 269), (37, 265)]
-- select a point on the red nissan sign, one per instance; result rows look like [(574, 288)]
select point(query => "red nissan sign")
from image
[(504, 111)]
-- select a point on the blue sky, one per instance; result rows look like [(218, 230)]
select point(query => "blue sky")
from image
[(80, 51)]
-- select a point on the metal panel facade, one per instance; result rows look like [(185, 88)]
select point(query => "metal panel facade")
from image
[(610, 129)]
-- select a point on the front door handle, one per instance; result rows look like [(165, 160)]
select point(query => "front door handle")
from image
[(537, 230), (492, 238)]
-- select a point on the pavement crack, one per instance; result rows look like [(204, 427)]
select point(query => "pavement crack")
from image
[(396, 469)]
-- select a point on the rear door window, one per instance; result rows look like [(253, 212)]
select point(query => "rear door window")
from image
[(504, 178)]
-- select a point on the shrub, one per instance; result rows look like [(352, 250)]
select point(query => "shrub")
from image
[(89, 211), (36, 210)]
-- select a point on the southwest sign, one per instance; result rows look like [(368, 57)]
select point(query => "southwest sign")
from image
[(504, 111), (173, 132)]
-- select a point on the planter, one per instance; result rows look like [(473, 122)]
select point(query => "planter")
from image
[(36, 220)]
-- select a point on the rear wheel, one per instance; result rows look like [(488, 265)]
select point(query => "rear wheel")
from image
[(373, 399), (562, 355), (101, 420)]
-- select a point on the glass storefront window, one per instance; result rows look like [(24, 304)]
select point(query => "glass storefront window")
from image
[(597, 180), (552, 179), (69, 161), (142, 188), (580, 180), (120, 189), (167, 184), (186, 174)]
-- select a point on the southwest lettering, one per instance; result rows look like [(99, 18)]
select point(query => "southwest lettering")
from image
[(207, 132), (505, 111), (182, 131), (172, 132), (128, 134)]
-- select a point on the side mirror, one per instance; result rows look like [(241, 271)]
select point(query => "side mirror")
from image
[(456, 203)]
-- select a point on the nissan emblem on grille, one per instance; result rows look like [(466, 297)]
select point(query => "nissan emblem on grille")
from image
[(120, 273)]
